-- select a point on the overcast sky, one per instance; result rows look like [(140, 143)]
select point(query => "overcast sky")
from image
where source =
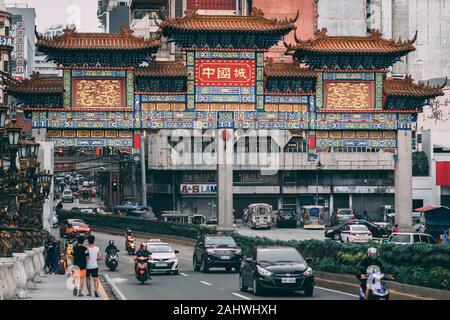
[(83, 13)]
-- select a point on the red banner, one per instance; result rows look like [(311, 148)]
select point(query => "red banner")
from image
[(443, 173), (225, 73), (312, 142), (137, 142)]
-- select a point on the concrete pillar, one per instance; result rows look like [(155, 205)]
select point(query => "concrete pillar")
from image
[(7, 279), (280, 202), (331, 204), (225, 157), (350, 201), (20, 275), (403, 181)]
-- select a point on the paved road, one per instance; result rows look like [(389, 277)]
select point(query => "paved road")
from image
[(216, 285)]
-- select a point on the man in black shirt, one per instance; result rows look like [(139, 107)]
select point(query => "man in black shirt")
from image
[(372, 259), (80, 256)]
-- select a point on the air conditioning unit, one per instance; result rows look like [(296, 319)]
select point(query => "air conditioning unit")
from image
[(398, 76)]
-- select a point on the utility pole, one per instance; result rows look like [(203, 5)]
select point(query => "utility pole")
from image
[(143, 171)]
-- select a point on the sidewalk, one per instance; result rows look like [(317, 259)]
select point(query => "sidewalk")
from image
[(53, 287)]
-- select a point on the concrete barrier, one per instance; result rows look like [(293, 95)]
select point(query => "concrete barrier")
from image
[(29, 266), (398, 291), (7, 281), (38, 260), (20, 275)]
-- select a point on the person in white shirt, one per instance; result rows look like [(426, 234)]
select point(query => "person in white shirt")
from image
[(92, 265)]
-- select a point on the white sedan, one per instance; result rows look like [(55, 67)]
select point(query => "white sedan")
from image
[(164, 258), (356, 233)]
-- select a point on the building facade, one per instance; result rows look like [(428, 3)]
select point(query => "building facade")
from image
[(113, 14), (23, 32), (331, 127), (6, 48)]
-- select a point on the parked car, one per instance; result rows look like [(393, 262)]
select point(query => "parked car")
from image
[(355, 233), (164, 257), (343, 215), (216, 251), (377, 231), (286, 218), (276, 268), (67, 196), (76, 227), (411, 238)]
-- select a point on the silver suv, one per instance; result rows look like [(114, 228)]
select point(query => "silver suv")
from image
[(67, 196), (411, 238)]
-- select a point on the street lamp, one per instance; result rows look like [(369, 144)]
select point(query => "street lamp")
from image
[(319, 166), (13, 131)]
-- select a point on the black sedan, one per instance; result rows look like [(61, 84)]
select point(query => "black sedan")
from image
[(216, 251), (276, 268), (377, 232), (286, 218)]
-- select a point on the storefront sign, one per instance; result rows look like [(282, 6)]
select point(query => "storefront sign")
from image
[(198, 188), (215, 72)]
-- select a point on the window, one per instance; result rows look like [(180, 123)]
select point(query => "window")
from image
[(416, 238), (212, 4), (423, 238), (7, 31), (5, 66)]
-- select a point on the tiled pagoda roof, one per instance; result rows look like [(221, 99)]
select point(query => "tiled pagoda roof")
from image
[(374, 43), (123, 41), (256, 23), (407, 88), (37, 84), (287, 70), (163, 69)]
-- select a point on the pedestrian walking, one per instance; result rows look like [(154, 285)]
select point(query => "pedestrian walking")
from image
[(396, 228), (80, 256), (50, 255), (69, 249), (92, 266)]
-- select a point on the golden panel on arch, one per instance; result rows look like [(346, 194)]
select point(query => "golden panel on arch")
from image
[(389, 134), (362, 134), (349, 95), (69, 134), (321, 134), (375, 135), (217, 107), (271, 107), (149, 106), (348, 134), (299, 107), (177, 106), (162, 106), (110, 134), (232, 107), (335, 134), (285, 108), (99, 93), (247, 107), (125, 134), (97, 134), (83, 134), (54, 133), (202, 107)]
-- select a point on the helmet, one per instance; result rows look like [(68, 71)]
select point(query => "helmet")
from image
[(372, 253), (111, 242), (143, 246), (128, 230)]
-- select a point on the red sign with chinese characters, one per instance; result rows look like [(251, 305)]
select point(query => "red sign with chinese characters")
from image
[(225, 73)]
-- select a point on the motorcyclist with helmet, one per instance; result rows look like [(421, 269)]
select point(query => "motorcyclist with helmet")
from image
[(111, 247), (372, 259), (143, 252), (129, 238)]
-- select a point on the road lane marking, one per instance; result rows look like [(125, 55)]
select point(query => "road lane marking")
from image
[(241, 296), (116, 290), (207, 283), (340, 292), (184, 274)]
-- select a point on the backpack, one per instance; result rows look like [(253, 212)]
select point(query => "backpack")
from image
[(61, 267)]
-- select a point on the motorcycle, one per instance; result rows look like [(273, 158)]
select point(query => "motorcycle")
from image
[(131, 246), (112, 260), (142, 272), (378, 289)]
